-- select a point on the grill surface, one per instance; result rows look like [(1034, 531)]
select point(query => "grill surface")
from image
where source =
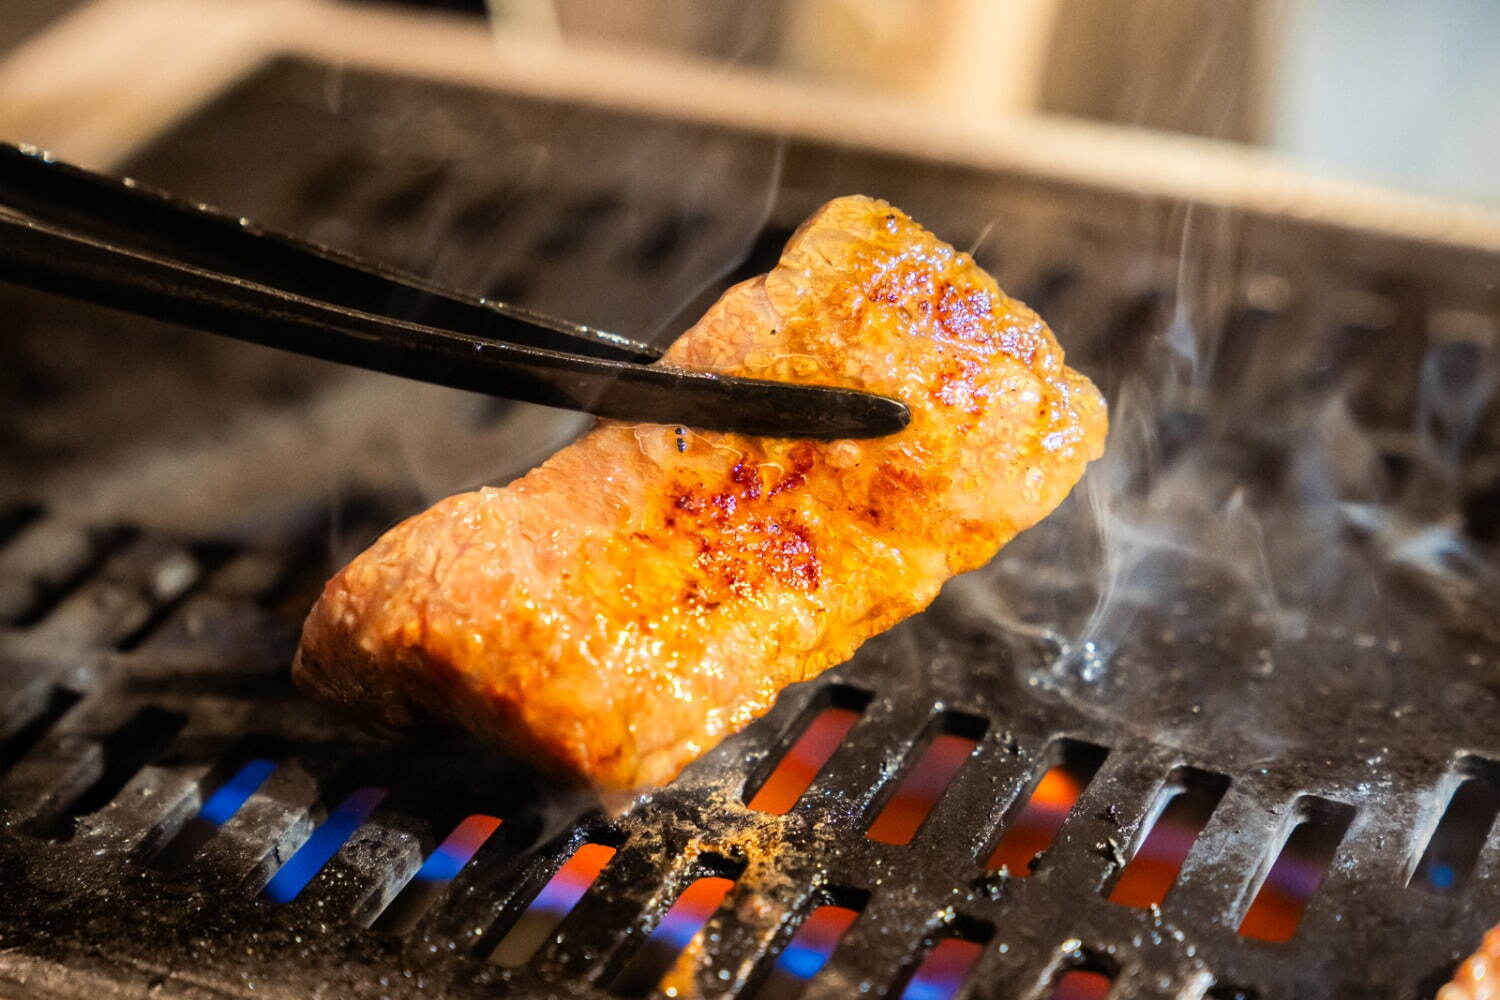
[(170, 520)]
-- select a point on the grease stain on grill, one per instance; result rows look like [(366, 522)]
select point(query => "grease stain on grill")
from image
[(819, 731), (1299, 868), (947, 960), (1047, 806), (934, 762), (1181, 811), (552, 904), (1453, 849), (341, 824)]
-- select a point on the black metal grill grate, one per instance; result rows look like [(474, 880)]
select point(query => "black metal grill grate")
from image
[(140, 670)]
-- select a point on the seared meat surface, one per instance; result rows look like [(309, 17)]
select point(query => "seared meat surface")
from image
[(648, 590), (1479, 977)]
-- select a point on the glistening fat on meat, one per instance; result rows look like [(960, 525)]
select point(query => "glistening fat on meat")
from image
[(1478, 978), (646, 592)]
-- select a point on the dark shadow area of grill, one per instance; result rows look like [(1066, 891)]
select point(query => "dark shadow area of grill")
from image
[(29, 723), (123, 752)]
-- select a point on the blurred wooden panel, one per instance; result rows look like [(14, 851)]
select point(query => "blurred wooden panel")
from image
[(1194, 66), (20, 18), (983, 57), (744, 32)]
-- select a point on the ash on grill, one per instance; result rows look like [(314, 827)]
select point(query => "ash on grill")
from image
[(1227, 716)]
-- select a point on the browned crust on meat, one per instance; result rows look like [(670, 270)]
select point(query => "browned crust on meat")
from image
[(1479, 977), (647, 591)]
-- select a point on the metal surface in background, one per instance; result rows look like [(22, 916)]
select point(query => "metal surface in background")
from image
[(153, 586)]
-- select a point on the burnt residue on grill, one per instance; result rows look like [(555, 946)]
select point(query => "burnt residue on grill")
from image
[(1270, 603)]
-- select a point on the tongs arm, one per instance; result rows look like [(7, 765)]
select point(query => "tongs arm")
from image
[(87, 237), (125, 214)]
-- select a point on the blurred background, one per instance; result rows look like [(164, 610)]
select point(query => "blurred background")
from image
[(1404, 93)]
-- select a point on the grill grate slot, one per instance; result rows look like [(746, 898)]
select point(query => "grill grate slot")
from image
[(1046, 807), (120, 600), (576, 223), (46, 563), (1453, 849), (1299, 868), (1182, 810), (816, 939), (14, 518), (1231, 993), (478, 219), (32, 723), (269, 826), (935, 761), (551, 906), (439, 870), (947, 961), (407, 200), (1082, 984), (334, 182), (668, 237), (123, 753), (172, 582), (819, 731), (218, 809), (669, 949), (345, 820)]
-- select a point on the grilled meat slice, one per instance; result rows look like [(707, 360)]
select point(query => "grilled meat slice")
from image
[(648, 590), (1479, 977)]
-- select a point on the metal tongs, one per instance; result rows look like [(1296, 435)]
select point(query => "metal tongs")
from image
[(73, 232)]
